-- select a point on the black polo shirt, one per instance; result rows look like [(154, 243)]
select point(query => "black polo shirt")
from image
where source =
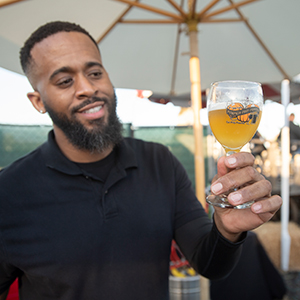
[(68, 234)]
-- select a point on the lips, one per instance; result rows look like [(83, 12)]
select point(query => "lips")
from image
[(92, 110), (90, 107)]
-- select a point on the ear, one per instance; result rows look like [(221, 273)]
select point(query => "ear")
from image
[(36, 101)]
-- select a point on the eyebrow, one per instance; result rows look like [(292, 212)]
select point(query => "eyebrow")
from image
[(60, 70), (92, 64), (69, 69)]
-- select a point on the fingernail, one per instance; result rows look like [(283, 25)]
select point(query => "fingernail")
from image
[(231, 160), (235, 197), (216, 188), (256, 207)]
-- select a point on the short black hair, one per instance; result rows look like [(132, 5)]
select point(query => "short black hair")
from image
[(43, 32)]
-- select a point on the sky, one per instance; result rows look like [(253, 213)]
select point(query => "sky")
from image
[(15, 108)]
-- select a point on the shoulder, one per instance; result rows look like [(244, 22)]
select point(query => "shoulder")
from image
[(147, 147), (151, 155), (134, 142), (293, 125), (20, 168)]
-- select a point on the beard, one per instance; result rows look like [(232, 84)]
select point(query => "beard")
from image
[(102, 136)]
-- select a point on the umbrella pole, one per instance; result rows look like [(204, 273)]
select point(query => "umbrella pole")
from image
[(285, 168), (196, 106), (198, 133)]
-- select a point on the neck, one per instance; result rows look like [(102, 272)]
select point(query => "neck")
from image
[(78, 155)]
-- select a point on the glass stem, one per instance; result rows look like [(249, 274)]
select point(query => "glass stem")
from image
[(228, 153)]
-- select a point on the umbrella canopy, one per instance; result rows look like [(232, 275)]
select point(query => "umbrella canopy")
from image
[(227, 50)]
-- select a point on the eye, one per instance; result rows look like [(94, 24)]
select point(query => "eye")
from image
[(64, 82), (96, 74)]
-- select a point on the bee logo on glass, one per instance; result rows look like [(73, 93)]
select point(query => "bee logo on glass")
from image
[(239, 113)]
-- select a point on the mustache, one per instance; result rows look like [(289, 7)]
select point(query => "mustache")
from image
[(86, 102)]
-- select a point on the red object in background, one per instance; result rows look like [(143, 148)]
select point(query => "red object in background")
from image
[(270, 91), (176, 257), (13, 293)]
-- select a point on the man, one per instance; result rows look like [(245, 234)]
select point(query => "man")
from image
[(89, 215), (294, 135)]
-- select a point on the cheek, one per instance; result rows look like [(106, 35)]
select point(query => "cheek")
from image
[(57, 107), (59, 100), (107, 87)]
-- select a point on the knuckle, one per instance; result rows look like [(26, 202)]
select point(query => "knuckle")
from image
[(268, 185), (278, 200), (252, 158), (229, 181), (248, 158), (251, 172)]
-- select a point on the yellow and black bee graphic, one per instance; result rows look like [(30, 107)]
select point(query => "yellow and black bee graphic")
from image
[(239, 113)]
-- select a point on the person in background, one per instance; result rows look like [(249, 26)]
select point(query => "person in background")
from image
[(294, 135), (257, 144), (92, 215)]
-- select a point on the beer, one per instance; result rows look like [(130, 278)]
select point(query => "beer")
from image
[(234, 113), (235, 131)]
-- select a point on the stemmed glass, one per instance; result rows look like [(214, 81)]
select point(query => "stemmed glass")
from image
[(234, 113)]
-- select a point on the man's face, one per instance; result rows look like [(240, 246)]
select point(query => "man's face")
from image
[(74, 87)]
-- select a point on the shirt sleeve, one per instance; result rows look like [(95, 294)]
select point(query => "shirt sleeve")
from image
[(208, 252), (8, 273), (187, 205)]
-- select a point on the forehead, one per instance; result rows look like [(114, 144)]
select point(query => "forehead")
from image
[(64, 48)]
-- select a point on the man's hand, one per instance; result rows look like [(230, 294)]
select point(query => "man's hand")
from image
[(237, 171)]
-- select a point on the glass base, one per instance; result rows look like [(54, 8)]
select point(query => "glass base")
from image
[(221, 201)]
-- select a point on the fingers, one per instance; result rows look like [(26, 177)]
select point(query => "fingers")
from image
[(267, 206), (241, 174), (256, 191), (236, 178), (236, 160)]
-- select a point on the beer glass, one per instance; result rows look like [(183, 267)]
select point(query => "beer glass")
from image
[(234, 113)]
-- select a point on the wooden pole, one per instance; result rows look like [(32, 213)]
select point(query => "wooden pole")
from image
[(198, 131), (196, 106), (8, 2)]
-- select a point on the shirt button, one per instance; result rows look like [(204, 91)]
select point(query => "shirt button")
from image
[(106, 192)]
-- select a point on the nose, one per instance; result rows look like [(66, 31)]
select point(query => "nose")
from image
[(85, 88)]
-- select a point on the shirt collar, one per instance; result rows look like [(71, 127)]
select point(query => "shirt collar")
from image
[(55, 159)]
